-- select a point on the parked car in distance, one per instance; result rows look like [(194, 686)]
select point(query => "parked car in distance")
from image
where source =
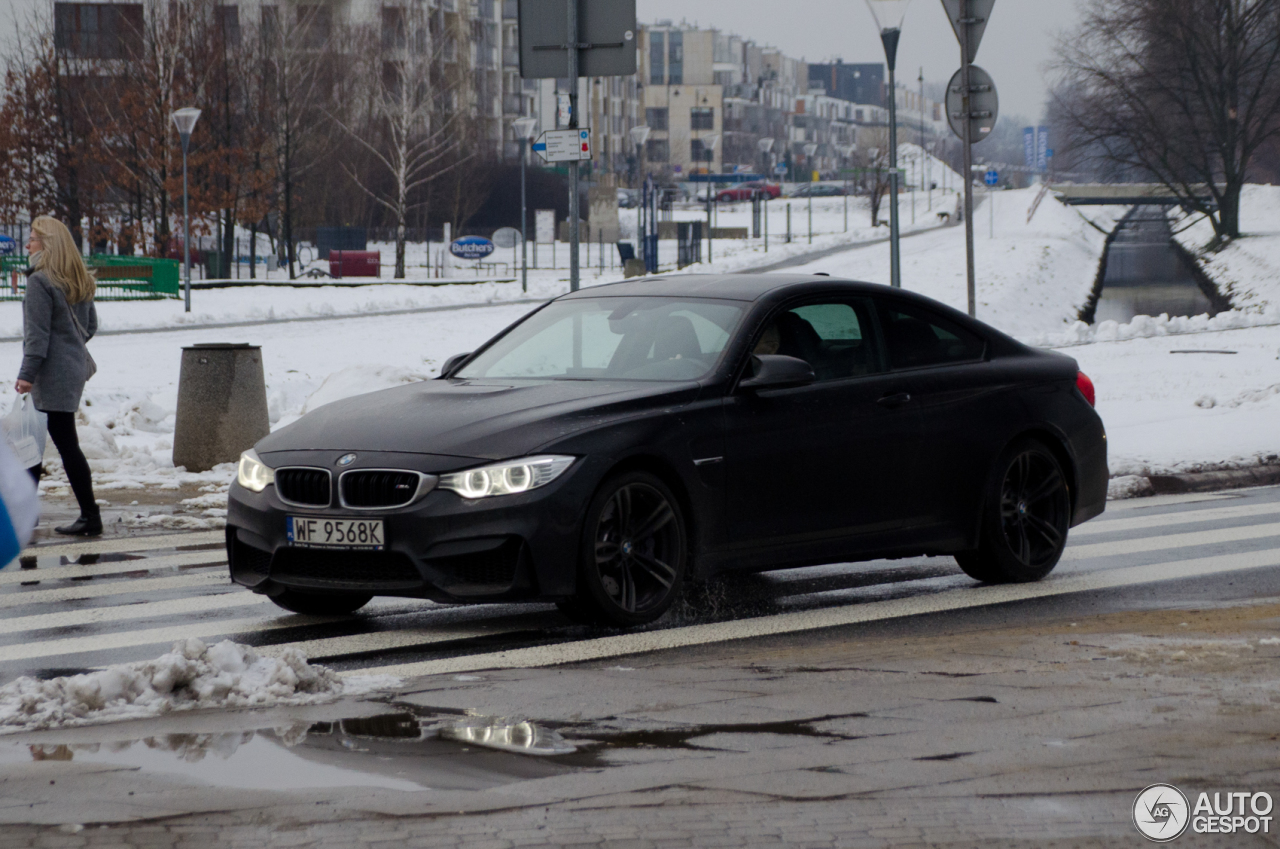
[(623, 439), (628, 198), (747, 191), (818, 190)]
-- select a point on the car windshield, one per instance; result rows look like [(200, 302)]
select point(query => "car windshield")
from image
[(640, 338)]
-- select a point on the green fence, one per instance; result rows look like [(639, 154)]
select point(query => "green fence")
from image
[(120, 278)]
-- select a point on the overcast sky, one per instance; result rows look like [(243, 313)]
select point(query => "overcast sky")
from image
[(1018, 41)]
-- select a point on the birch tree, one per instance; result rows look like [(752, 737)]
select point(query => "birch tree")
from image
[(416, 95)]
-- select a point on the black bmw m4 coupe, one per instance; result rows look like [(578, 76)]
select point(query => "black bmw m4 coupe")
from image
[(620, 441)]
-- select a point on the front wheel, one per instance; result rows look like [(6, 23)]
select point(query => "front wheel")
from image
[(320, 604), (1025, 517), (633, 555)]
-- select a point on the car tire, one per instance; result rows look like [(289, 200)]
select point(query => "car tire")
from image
[(1025, 516), (634, 553), (321, 604)]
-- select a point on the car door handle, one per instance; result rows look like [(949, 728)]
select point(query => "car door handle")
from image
[(895, 400)]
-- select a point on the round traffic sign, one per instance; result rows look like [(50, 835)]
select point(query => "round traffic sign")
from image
[(992, 178), (984, 104), (506, 237)]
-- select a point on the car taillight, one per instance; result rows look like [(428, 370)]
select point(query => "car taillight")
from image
[(1085, 385)]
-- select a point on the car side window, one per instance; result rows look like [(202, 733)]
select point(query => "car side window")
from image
[(833, 337), (914, 338)]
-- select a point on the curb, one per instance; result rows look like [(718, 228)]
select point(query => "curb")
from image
[(1212, 481)]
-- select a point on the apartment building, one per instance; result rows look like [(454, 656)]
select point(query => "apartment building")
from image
[(104, 29), (682, 100)]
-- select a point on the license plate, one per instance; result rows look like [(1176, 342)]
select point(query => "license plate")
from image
[(363, 534)]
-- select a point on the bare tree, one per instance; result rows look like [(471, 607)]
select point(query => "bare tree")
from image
[(873, 162), (1182, 92), (415, 119), (297, 69)]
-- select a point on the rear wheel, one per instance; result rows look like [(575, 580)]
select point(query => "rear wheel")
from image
[(634, 553), (320, 604), (1026, 514)]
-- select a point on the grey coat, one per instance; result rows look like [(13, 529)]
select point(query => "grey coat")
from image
[(53, 351)]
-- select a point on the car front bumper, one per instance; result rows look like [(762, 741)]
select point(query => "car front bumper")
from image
[(442, 547)]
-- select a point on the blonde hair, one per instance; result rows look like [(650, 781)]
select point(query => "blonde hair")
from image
[(60, 259)]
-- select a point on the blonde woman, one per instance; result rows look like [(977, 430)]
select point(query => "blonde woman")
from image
[(58, 318)]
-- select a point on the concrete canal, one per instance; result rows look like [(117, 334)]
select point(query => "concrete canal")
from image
[(1145, 275)]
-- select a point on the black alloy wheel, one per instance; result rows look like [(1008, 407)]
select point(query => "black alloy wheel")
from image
[(321, 604), (1026, 515), (634, 553)]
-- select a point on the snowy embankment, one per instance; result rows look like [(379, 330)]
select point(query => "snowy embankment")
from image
[(1032, 277), (1248, 269), (191, 675)]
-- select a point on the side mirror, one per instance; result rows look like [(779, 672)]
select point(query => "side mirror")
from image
[(774, 371), (451, 363)]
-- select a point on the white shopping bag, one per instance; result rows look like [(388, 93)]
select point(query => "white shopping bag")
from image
[(27, 429)]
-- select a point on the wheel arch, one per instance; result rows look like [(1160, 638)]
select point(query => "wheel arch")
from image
[(1057, 445), (666, 472)]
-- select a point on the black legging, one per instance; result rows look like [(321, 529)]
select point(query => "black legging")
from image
[(62, 429)]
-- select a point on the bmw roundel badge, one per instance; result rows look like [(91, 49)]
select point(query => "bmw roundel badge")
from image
[(346, 459)]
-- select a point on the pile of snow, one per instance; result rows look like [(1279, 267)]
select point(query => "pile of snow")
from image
[(191, 675), (1146, 327), (1248, 269)]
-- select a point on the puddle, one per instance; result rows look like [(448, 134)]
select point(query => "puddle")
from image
[(397, 751)]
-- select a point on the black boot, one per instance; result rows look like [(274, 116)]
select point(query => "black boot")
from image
[(86, 526)]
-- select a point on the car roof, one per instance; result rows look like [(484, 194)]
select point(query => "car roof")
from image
[(731, 287)]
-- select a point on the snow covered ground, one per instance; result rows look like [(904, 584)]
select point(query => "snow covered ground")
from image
[(1247, 270)]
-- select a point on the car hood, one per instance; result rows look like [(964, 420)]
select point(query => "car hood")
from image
[(472, 419)]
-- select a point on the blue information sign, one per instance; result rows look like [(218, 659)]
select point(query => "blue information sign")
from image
[(471, 247)]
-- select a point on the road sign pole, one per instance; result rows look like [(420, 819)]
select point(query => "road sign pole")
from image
[(890, 39), (572, 167), (967, 121)]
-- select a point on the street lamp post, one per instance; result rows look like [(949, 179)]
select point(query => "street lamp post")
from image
[(809, 150), (888, 15), (766, 150), (639, 135), (523, 128), (185, 120)]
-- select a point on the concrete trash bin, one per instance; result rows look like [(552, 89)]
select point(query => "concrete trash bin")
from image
[(222, 405)]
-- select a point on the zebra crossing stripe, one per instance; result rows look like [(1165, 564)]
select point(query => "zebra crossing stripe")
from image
[(127, 612), (1123, 522), (113, 545), (830, 617), (1166, 541), (197, 581), (74, 571)]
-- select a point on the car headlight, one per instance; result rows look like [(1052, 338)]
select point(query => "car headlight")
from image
[(506, 478), (253, 474)]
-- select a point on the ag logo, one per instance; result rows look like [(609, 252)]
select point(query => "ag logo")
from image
[(1161, 812)]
